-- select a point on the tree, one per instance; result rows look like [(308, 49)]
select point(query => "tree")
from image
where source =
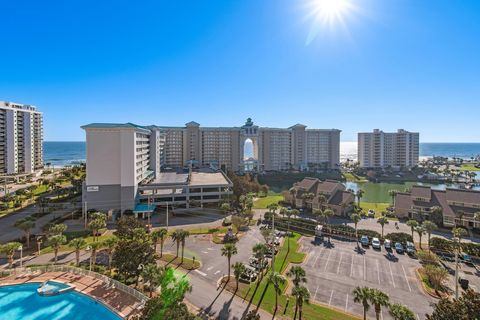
[(56, 241), (327, 213), (177, 238), (77, 244), (94, 246), (401, 312), (301, 295), (238, 222), (152, 274), (9, 250), (126, 226), (464, 308), (57, 229), (436, 215), (356, 219), (382, 221), (359, 195), (157, 235), (26, 225), (318, 214), (293, 193), (412, 224), (183, 237), (238, 270), (362, 295), (392, 193), (225, 207), (378, 299), (429, 227), (99, 222), (277, 281), (259, 251), (436, 276), (229, 250), (420, 231), (110, 244), (298, 275)]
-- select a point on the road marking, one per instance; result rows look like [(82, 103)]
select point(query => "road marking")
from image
[(217, 272), (211, 249), (204, 251), (200, 272), (331, 296), (351, 267), (326, 264), (338, 268), (406, 279), (391, 273), (209, 268), (378, 272), (316, 258), (346, 303), (418, 317), (315, 295), (364, 269)]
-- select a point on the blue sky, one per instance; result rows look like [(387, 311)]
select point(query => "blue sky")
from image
[(410, 64)]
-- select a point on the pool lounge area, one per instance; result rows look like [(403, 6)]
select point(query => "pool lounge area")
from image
[(85, 298)]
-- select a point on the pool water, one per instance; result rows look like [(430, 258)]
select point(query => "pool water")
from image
[(23, 302)]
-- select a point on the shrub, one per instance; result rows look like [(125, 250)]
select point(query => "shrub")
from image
[(401, 237), (427, 257), (436, 276), (368, 233), (440, 244)]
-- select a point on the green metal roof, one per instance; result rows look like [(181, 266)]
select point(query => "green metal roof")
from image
[(113, 125)]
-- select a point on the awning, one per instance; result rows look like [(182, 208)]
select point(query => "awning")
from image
[(142, 207)]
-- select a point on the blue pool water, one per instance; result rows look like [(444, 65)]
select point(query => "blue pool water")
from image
[(23, 302)]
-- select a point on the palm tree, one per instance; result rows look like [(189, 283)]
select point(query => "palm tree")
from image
[(77, 244), (9, 250), (302, 295), (56, 242), (94, 246), (110, 245), (96, 224), (293, 192), (238, 270), (318, 213), (298, 275), (229, 250), (160, 235), (26, 225), (283, 211), (259, 251), (153, 275), (420, 231), (382, 221), (327, 213), (321, 201), (359, 195), (429, 227), (183, 236), (362, 295), (277, 281), (176, 237), (378, 299), (356, 219), (412, 224), (401, 312), (392, 194)]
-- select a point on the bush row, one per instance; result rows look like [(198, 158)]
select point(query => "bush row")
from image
[(440, 244)]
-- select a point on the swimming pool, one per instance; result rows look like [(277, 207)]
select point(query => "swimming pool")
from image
[(23, 302)]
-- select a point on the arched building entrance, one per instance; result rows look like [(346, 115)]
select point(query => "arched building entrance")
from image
[(249, 137)]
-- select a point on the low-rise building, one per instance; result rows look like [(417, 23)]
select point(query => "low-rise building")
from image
[(312, 193), (458, 206)]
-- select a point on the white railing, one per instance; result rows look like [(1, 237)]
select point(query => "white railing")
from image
[(55, 268)]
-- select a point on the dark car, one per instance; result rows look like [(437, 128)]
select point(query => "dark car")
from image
[(399, 247)]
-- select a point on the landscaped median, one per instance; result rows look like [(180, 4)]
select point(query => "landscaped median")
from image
[(263, 294)]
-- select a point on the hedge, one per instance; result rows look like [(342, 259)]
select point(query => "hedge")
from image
[(440, 244), (401, 237)]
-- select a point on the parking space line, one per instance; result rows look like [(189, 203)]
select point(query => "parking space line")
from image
[(391, 273), (351, 267), (200, 272), (406, 279), (317, 256), (338, 268), (315, 295), (381, 314), (326, 264), (418, 317), (331, 296), (346, 303), (217, 272), (364, 269), (378, 272)]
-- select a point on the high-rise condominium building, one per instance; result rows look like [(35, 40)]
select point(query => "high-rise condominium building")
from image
[(21, 138), (380, 149), (124, 161)]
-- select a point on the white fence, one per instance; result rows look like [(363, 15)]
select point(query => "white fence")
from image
[(60, 268)]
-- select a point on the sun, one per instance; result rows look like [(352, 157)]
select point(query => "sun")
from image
[(327, 15)]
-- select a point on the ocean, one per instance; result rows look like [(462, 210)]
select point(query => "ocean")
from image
[(61, 153)]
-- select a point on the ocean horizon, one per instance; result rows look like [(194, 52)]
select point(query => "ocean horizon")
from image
[(62, 153)]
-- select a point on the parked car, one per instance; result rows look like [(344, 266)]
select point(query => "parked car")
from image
[(376, 244), (249, 275), (399, 247), (410, 248), (371, 213), (364, 241), (466, 259), (387, 244)]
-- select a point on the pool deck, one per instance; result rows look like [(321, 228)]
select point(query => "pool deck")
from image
[(122, 303)]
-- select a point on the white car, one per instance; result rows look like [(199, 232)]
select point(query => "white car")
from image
[(387, 244), (376, 243)]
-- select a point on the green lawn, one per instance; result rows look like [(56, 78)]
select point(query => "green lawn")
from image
[(264, 294), (263, 203), (377, 207), (352, 177), (469, 167)]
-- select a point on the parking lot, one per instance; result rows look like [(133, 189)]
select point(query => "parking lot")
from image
[(334, 271)]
